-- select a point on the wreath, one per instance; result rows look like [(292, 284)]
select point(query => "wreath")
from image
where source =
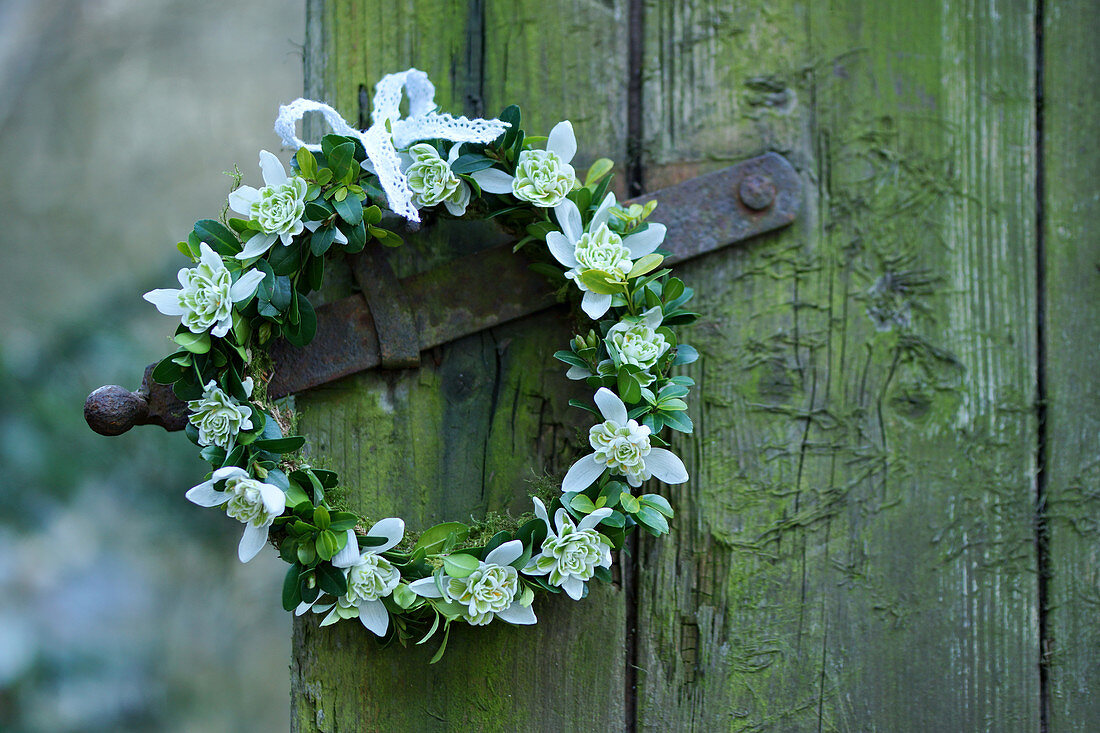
[(249, 284)]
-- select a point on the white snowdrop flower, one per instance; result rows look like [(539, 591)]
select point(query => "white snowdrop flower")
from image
[(433, 182), (492, 590), (622, 446), (218, 416), (543, 177), (245, 499), (208, 294), (598, 248), (278, 207), (571, 552)]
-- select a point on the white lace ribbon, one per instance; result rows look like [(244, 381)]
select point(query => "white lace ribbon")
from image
[(389, 131)]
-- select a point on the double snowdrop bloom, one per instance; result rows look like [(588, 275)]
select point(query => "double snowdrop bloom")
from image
[(635, 340), (208, 294), (246, 499), (432, 181), (571, 552), (370, 577), (622, 446), (218, 416), (278, 207), (543, 177), (598, 248), (491, 590)]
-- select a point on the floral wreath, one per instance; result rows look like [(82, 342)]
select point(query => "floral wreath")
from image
[(248, 286)]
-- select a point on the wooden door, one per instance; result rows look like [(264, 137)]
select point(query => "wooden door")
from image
[(891, 522)]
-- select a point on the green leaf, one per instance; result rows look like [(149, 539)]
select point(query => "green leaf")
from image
[(170, 369), (578, 403), (629, 389), (350, 210), (307, 553), (307, 163), (645, 264), (342, 521), (570, 358), (285, 260), (331, 580), (460, 564), (357, 237), (582, 504), (471, 163), (327, 544), (322, 239), (220, 239), (341, 159), (658, 502), (685, 355), (405, 598), (292, 593), (280, 445), (598, 170), (196, 343), (302, 333), (434, 537), (321, 518), (630, 504), (652, 519), (677, 421), (673, 289), (318, 210), (603, 283), (443, 646)]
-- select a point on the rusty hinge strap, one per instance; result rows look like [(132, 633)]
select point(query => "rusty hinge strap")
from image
[(702, 214), (394, 325)]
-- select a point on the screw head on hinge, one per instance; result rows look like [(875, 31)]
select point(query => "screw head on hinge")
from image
[(756, 192)]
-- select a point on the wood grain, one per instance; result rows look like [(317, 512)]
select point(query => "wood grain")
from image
[(1071, 255), (855, 550)]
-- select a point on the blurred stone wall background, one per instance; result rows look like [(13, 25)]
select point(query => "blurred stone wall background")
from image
[(122, 606)]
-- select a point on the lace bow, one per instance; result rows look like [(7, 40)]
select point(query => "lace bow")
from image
[(389, 131)]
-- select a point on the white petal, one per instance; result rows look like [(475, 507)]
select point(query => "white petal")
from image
[(576, 372), (274, 499), (252, 542), (374, 616), (560, 518), (493, 180), (518, 614), (313, 225), (594, 304), (532, 568), (646, 241), (348, 556), (506, 554), (256, 246), (302, 608), (603, 213), (229, 471), (563, 250), (222, 327), (205, 495), (209, 257), (242, 199), (332, 617), (166, 301), (569, 218), (247, 384), (456, 150), (594, 518), (666, 466), (562, 141), (274, 173), (611, 405), (393, 529), (246, 285), (425, 588), (340, 237), (573, 587), (653, 317), (582, 474), (540, 512), (454, 209)]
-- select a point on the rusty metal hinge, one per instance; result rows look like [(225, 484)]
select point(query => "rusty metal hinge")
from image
[(378, 328)]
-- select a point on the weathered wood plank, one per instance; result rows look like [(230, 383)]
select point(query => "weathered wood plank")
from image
[(855, 550), (467, 431), (1071, 219)]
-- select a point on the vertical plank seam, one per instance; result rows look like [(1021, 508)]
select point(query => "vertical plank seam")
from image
[(634, 185), (1042, 528)]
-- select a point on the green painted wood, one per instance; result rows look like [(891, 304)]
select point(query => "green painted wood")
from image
[(855, 550), (468, 431), (1071, 217)]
